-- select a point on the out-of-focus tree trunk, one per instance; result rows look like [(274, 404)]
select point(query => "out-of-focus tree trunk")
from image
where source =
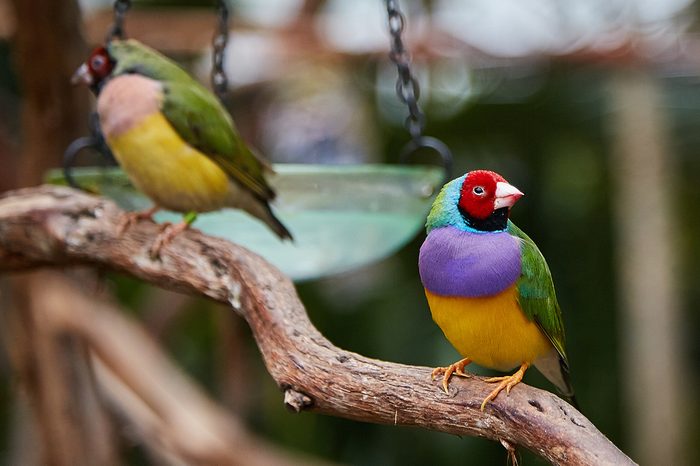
[(48, 47), (652, 350), (54, 374)]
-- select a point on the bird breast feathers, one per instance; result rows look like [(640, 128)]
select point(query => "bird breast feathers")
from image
[(127, 100)]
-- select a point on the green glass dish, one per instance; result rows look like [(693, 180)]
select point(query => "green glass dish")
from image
[(341, 216)]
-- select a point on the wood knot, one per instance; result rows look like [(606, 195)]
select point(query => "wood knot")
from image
[(296, 401), (536, 404)]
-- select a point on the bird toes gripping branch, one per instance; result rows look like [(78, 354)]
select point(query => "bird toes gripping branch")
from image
[(456, 368), (130, 218), (507, 382), (169, 231)]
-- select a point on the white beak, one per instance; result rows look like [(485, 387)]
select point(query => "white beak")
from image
[(506, 195), (82, 75)]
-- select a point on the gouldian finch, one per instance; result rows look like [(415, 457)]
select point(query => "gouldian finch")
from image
[(488, 286), (173, 138)]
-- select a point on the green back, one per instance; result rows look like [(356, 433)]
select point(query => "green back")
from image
[(133, 57), (195, 114), (536, 294)]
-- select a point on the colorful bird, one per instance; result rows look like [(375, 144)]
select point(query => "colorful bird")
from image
[(173, 138), (488, 286)]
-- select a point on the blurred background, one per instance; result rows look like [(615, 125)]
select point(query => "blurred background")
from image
[(591, 108)]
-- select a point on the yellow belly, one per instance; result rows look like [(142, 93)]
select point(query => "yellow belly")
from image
[(169, 171), (492, 331)]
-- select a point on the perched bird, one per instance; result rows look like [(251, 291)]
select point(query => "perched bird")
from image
[(173, 138), (488, 286)]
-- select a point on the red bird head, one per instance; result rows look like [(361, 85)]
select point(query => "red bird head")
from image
[(97, 67), (484, 192)]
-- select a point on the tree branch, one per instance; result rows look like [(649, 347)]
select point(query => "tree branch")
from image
[(60, 226)]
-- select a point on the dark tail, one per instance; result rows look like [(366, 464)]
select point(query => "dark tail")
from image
[(569, 395), (273, 222)]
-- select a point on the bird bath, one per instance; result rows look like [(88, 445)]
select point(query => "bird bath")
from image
[(341, 216)]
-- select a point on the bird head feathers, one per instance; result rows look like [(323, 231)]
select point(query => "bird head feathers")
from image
[(127, 57), (479, 201)]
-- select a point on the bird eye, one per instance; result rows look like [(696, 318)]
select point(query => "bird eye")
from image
[(97, 62), (478, 190)]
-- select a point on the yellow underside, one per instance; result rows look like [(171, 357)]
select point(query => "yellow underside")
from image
[(166, 169), (492, 331)]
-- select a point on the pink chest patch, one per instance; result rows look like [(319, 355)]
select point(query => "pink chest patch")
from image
[(125, 101)]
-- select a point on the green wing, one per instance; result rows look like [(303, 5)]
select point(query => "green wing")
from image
[(536, 294), (202, 122)]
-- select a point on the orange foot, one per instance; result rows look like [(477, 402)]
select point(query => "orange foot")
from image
[(167, 233), (456, 368), (507, 382), (130, 218)]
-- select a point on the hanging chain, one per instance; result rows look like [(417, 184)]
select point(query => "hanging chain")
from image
[(117, 29), (407, 87), (408, 91), (219, 80)]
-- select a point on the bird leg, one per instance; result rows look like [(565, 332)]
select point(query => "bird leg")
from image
[(456, 368), (507, 382), (170, 231), (130, 218)]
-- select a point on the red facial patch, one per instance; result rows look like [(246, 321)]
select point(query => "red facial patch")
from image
[(478, 193), (100, 64)]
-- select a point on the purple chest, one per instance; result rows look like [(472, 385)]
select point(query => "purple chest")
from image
[(453, 262)]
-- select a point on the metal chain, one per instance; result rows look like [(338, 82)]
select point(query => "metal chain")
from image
[(219, 80), (95, 141), (117, 29), (408, 91), (407, 87)]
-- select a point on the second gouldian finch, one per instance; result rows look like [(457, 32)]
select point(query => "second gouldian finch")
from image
[(173, 138), (488, 286)]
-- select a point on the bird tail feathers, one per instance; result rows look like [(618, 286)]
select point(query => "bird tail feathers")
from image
[(267, 216), (556, 369)]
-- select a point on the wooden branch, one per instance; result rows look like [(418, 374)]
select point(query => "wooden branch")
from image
[(59, 226)]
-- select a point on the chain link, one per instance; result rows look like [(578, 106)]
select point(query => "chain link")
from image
[(94, 141), (117, 29), (219, 80), (408, 91), (407, 88)]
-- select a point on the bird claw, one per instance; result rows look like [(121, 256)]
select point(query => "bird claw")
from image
[(167, 233), (456, 368), (506, 382), (130, 218)]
